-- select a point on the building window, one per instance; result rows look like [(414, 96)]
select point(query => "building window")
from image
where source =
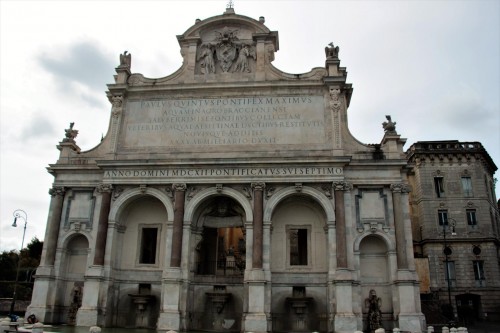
[(467, 186), (471, 216), (298, 247), (443, 217), (450, 273), (439, 186), (478, 272), (149, 238)]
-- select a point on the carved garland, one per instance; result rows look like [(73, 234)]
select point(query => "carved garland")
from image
[(400, 188), (104, 188), (342, 186), (57, 191)]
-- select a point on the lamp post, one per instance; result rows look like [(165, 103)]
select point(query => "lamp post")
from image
[(18, 214), (447, 252)]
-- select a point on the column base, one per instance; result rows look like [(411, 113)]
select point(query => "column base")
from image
[(256, 323), (42, 297), (87, 317), (346, 323), (414, 323), (169, 321)]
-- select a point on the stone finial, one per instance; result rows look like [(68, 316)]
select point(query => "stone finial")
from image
[(94, 329), (430, 329), (389, 126), (380, 330), (445, 329), (262, 19)]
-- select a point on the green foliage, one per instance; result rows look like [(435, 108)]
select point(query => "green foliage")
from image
[(28, 260)]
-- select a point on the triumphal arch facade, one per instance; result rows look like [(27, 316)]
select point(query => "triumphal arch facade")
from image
[(230, 196)]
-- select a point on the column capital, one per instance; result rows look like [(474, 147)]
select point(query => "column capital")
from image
[(400, 188), (258, 186), (342, 186), (104, 188), (179, 187), (57, 190)]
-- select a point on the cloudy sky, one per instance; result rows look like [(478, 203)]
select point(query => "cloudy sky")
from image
[(434, 66)]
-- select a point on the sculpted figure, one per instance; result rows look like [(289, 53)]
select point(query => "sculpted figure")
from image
[(207, 57), (70, 133), (125, 59), (331, 51), (389, 126), (242, 61), (374, 303)]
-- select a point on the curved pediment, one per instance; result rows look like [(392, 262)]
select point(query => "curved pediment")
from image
[(229, 18)]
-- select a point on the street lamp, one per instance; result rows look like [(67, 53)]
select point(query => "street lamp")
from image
[(447, 252), (18, 214)]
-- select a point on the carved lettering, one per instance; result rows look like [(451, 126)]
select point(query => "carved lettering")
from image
[(223, 172), (225, 121)]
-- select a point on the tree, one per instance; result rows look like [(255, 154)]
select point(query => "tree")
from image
[(28, 260)]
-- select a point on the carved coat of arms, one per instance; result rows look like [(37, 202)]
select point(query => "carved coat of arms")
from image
[(227, 52), (226, 48)]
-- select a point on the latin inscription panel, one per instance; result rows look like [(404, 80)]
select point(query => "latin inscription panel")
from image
[(282, 120)]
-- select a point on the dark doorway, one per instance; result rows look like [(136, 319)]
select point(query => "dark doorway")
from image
[(468, 308)]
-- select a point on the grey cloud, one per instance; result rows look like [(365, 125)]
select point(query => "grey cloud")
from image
[(83, 63), (39, 126)]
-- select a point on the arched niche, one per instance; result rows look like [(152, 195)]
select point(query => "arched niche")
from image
[(298, 239), (142, 221), (75, 261)]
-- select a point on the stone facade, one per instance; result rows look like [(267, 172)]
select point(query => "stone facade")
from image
[(230, 196), (453, 205)]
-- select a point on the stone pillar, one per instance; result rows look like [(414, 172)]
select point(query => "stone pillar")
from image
[(88, 313), (53, 224), (399, 224), (102, 227), (410, 317), (171, 294), (345, 319), (44, 289), (258, 218), (256, 319), (179, 196), (341, 242)]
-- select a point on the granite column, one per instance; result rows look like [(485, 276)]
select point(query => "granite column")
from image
[(399, 226), (102, 228), (52, 233), (341, 242), (179, 197), (258, 218)]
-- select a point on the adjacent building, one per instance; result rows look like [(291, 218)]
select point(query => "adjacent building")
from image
[(231, 196), (456, 228)]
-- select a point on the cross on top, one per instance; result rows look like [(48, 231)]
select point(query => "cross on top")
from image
[(230, 4)]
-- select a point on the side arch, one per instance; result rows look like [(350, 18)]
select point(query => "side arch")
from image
[(318, 196), (211, 192), (129, 195)]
